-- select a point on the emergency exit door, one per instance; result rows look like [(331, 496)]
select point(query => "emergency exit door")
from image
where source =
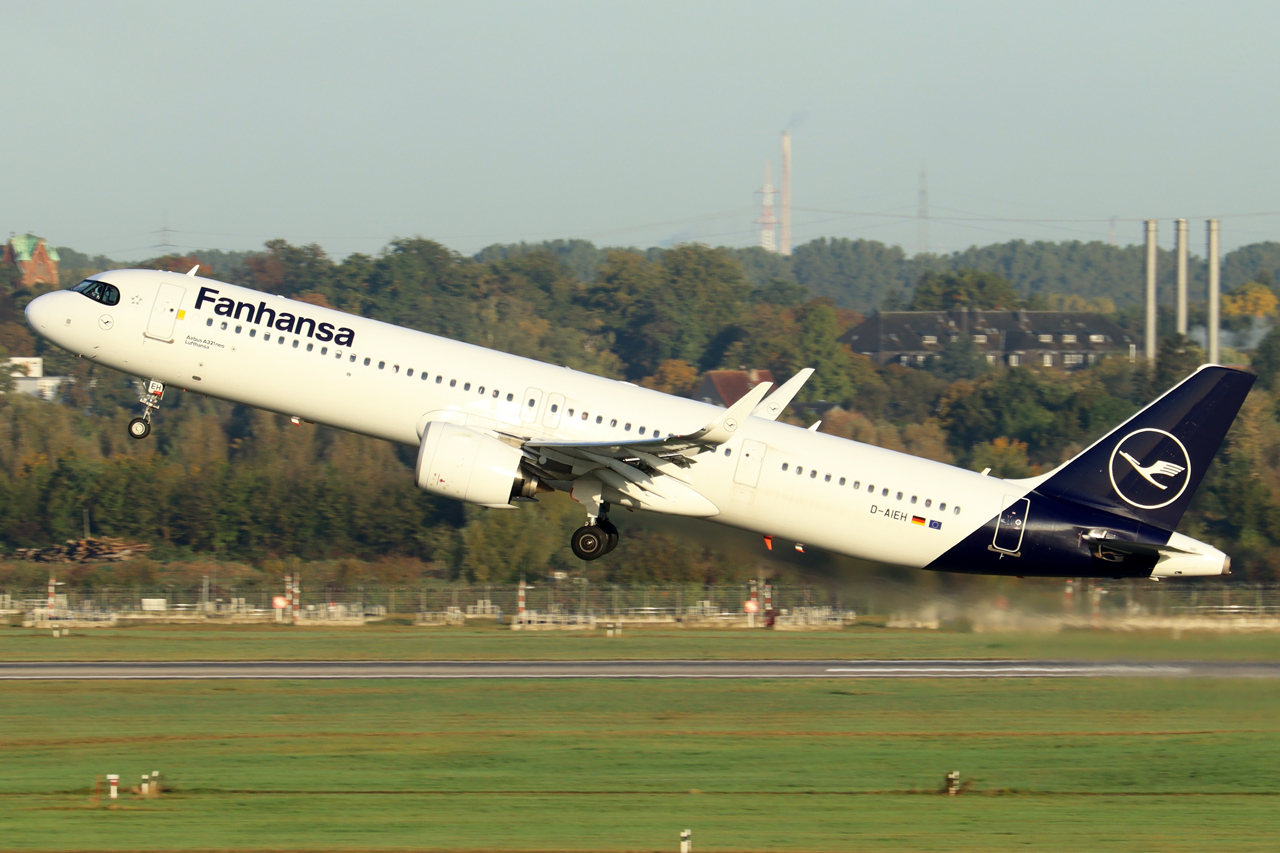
[(164, 312), (748, 473)]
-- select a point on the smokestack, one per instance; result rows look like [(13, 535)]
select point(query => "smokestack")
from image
[(1214, 296), (1151, 293), (1182, 277), (784, 245)]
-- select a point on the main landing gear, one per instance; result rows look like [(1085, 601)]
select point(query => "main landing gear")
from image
[(595, 539), (140, 428)]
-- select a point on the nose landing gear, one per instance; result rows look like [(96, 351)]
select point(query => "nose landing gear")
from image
[(140, 428)]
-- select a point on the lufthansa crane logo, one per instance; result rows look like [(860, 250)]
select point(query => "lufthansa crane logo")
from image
[(1150, 468)]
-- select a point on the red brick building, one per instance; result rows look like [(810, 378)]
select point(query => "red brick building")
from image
[(36, 260)]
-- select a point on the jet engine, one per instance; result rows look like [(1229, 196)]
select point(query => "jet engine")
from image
[(466, 465)]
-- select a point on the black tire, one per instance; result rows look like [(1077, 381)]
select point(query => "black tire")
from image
[(589, 543), (610, 532), (139, 429)]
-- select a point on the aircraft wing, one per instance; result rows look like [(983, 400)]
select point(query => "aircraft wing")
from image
[(643, 474)]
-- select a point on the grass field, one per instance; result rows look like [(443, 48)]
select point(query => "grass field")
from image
[(406, 642), (1053, 765)]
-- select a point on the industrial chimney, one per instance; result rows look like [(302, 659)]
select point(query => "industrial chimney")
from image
[(784, 245)]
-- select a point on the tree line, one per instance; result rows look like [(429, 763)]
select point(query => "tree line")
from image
[(218, 481)]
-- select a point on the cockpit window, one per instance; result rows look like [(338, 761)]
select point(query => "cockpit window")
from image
[(99, 291)]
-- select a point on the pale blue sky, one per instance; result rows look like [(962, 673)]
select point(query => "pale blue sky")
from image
[(631, 123)]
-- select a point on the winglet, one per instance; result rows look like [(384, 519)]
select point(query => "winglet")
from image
[(192, 272), (778, 400), (722, 428)]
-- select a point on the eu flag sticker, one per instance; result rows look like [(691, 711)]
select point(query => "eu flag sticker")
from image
[(935, 525)]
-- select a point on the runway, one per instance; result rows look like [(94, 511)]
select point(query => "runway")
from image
[(279, 670)]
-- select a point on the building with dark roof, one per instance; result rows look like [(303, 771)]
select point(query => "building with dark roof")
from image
[(1064, 339), (36, 260), (726, 387)]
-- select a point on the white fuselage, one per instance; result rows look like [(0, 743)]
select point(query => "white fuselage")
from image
[(389, 382)]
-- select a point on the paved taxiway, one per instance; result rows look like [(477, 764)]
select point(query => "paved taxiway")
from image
[(67, 670)]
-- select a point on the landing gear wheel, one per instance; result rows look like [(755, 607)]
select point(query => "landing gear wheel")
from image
[(589, 543), (139, 429), (610, 532)]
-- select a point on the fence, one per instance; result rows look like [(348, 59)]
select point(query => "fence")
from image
[(573, 596)]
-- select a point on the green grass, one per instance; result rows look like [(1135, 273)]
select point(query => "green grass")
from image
[(406, 642), (1053, 765)]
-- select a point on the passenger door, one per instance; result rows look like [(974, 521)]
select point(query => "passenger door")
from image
[(164, 312), (749, 463), (1011, 525)]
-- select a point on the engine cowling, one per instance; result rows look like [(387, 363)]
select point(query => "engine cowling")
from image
[(457, 462)]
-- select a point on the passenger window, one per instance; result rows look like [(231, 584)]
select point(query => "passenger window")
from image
[(295, 343), (599, 418), (480, 390), (857, 484), (425, 377), (280, 340), (928, 502), (353, 358), (453, 383), (956, 510), (209, 322), (310, 347), (913, 498), (238, 328), (395, 368), (871, 489), (784, 466), (266, 338), (495, 394), (813, 475), (571, 413), (642, 430), (554, 408), (532, 402), (727, 451), (253, 333), (367, 361), (510, 397), (613, 422), (324, 350), (884, 493), (223, 326), (466, 386), (627, 428), (584, 416), (899, 495), (842, 481), (827, 478), (382, 365), (942, 507), (799, 470)]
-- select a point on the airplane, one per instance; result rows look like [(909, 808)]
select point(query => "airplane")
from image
[(497, 430)]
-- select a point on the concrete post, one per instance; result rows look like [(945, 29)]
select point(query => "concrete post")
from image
[(686, 841), (1182, 276), (146, 789), (1214, 296), (113, 780), (297, 598), (1151, 293)]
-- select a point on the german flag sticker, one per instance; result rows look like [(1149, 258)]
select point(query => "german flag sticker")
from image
[(915, 519)]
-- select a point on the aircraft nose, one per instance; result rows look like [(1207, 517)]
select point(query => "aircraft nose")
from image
[(40, 312)]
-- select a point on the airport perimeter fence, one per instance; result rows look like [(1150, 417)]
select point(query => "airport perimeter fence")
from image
[(572, 596)]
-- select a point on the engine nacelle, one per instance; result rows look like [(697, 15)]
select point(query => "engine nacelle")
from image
[(461, 463)]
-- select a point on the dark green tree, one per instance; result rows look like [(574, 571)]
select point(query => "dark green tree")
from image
[(964, 289)]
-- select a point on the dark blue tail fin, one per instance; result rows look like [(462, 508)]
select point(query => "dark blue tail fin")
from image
[(1148, 468)]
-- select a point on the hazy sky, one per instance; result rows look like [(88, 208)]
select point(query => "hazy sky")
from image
[(643, 123)]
